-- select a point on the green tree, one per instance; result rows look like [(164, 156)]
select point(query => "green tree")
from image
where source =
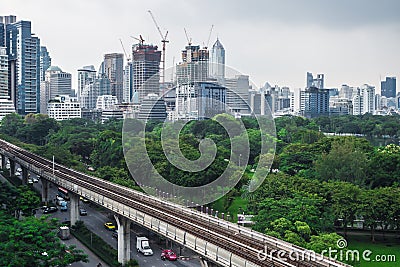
[(34, 242)]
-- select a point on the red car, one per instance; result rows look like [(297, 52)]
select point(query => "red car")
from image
[(169, 255)]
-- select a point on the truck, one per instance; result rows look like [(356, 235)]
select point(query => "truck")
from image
[(63, 205), (143, 246), (64, 232)]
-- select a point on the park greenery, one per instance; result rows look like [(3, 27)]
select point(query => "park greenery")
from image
[(319, 182), (26, 240)]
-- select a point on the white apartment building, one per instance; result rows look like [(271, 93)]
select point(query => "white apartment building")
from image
[(64, 107), (106, 102)]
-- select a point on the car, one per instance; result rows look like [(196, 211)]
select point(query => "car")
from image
[(168, 254), (115, 234), (30, 181), (82, 212), (19, 170), (50, 210), (35, 180), (17, 173), (109, 226)]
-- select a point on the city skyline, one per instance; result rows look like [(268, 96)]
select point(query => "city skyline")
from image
[(351, 43)]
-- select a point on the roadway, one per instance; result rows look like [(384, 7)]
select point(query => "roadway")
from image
[(95, 220)]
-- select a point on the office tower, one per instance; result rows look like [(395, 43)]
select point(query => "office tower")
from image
[(317, 82), (199, 100), (23, 50), (152, 108), (86, 75), (315, 102), (217, 62), (364, 100), (237, 94), (64, 107), (128, 86), (45, 62), (114, 71), (145, 70), (56, 83), (6, 105), (388, 87), (91, 91), (194, 65)]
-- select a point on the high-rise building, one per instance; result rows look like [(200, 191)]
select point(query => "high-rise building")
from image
[(101, 86), (86, 75), (23, 50), (45, 62), (114, 71), (199, 100), (316, 102), (145, 70), (317, 82), (105, 102), (194, 65), (152, 108), (217, 62), (128, 86), (237, 94), (56, 83), (6, 105), (388, 87), (364, 100)]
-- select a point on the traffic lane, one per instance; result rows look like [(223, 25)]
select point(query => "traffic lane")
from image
[(97, 216)]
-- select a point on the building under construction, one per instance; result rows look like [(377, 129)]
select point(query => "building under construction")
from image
[(145, 66), (194, 65)]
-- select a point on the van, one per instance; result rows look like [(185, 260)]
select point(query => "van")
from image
[(143, 246), (63, 205)]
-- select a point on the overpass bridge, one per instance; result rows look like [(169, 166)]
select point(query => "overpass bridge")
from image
[(218, 242)]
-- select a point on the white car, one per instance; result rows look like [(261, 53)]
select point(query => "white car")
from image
[(19, 170), (35, 179), (17, 173), (30, 181)]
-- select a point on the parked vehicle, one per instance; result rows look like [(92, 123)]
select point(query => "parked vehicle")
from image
[(35, 180), (143, 246), (19, 169), (17, 173), (168, 254)]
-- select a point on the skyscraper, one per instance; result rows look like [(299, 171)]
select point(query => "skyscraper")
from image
[(194, 65), (6, 105), (114, 71), (364, 100), (86, 75), (23, 50), (145, 70), (237, 94), (45, 62), (315, 82), (128, 87), (316, 102), (388, 87), (56, 83), (217, 62)]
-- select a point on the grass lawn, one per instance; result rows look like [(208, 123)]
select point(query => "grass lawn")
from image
[(381, 248)]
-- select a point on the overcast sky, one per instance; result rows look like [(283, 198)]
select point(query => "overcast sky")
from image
[(352, 42)]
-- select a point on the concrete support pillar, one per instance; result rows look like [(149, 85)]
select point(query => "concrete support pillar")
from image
[(24, 175), (3, 162), (74, 207), (124, 239), (45, 191), (12, 167)]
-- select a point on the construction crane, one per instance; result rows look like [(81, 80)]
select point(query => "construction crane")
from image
[(209, 36), (187, 37), (140, 39), (164, 41), (128, 58)]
